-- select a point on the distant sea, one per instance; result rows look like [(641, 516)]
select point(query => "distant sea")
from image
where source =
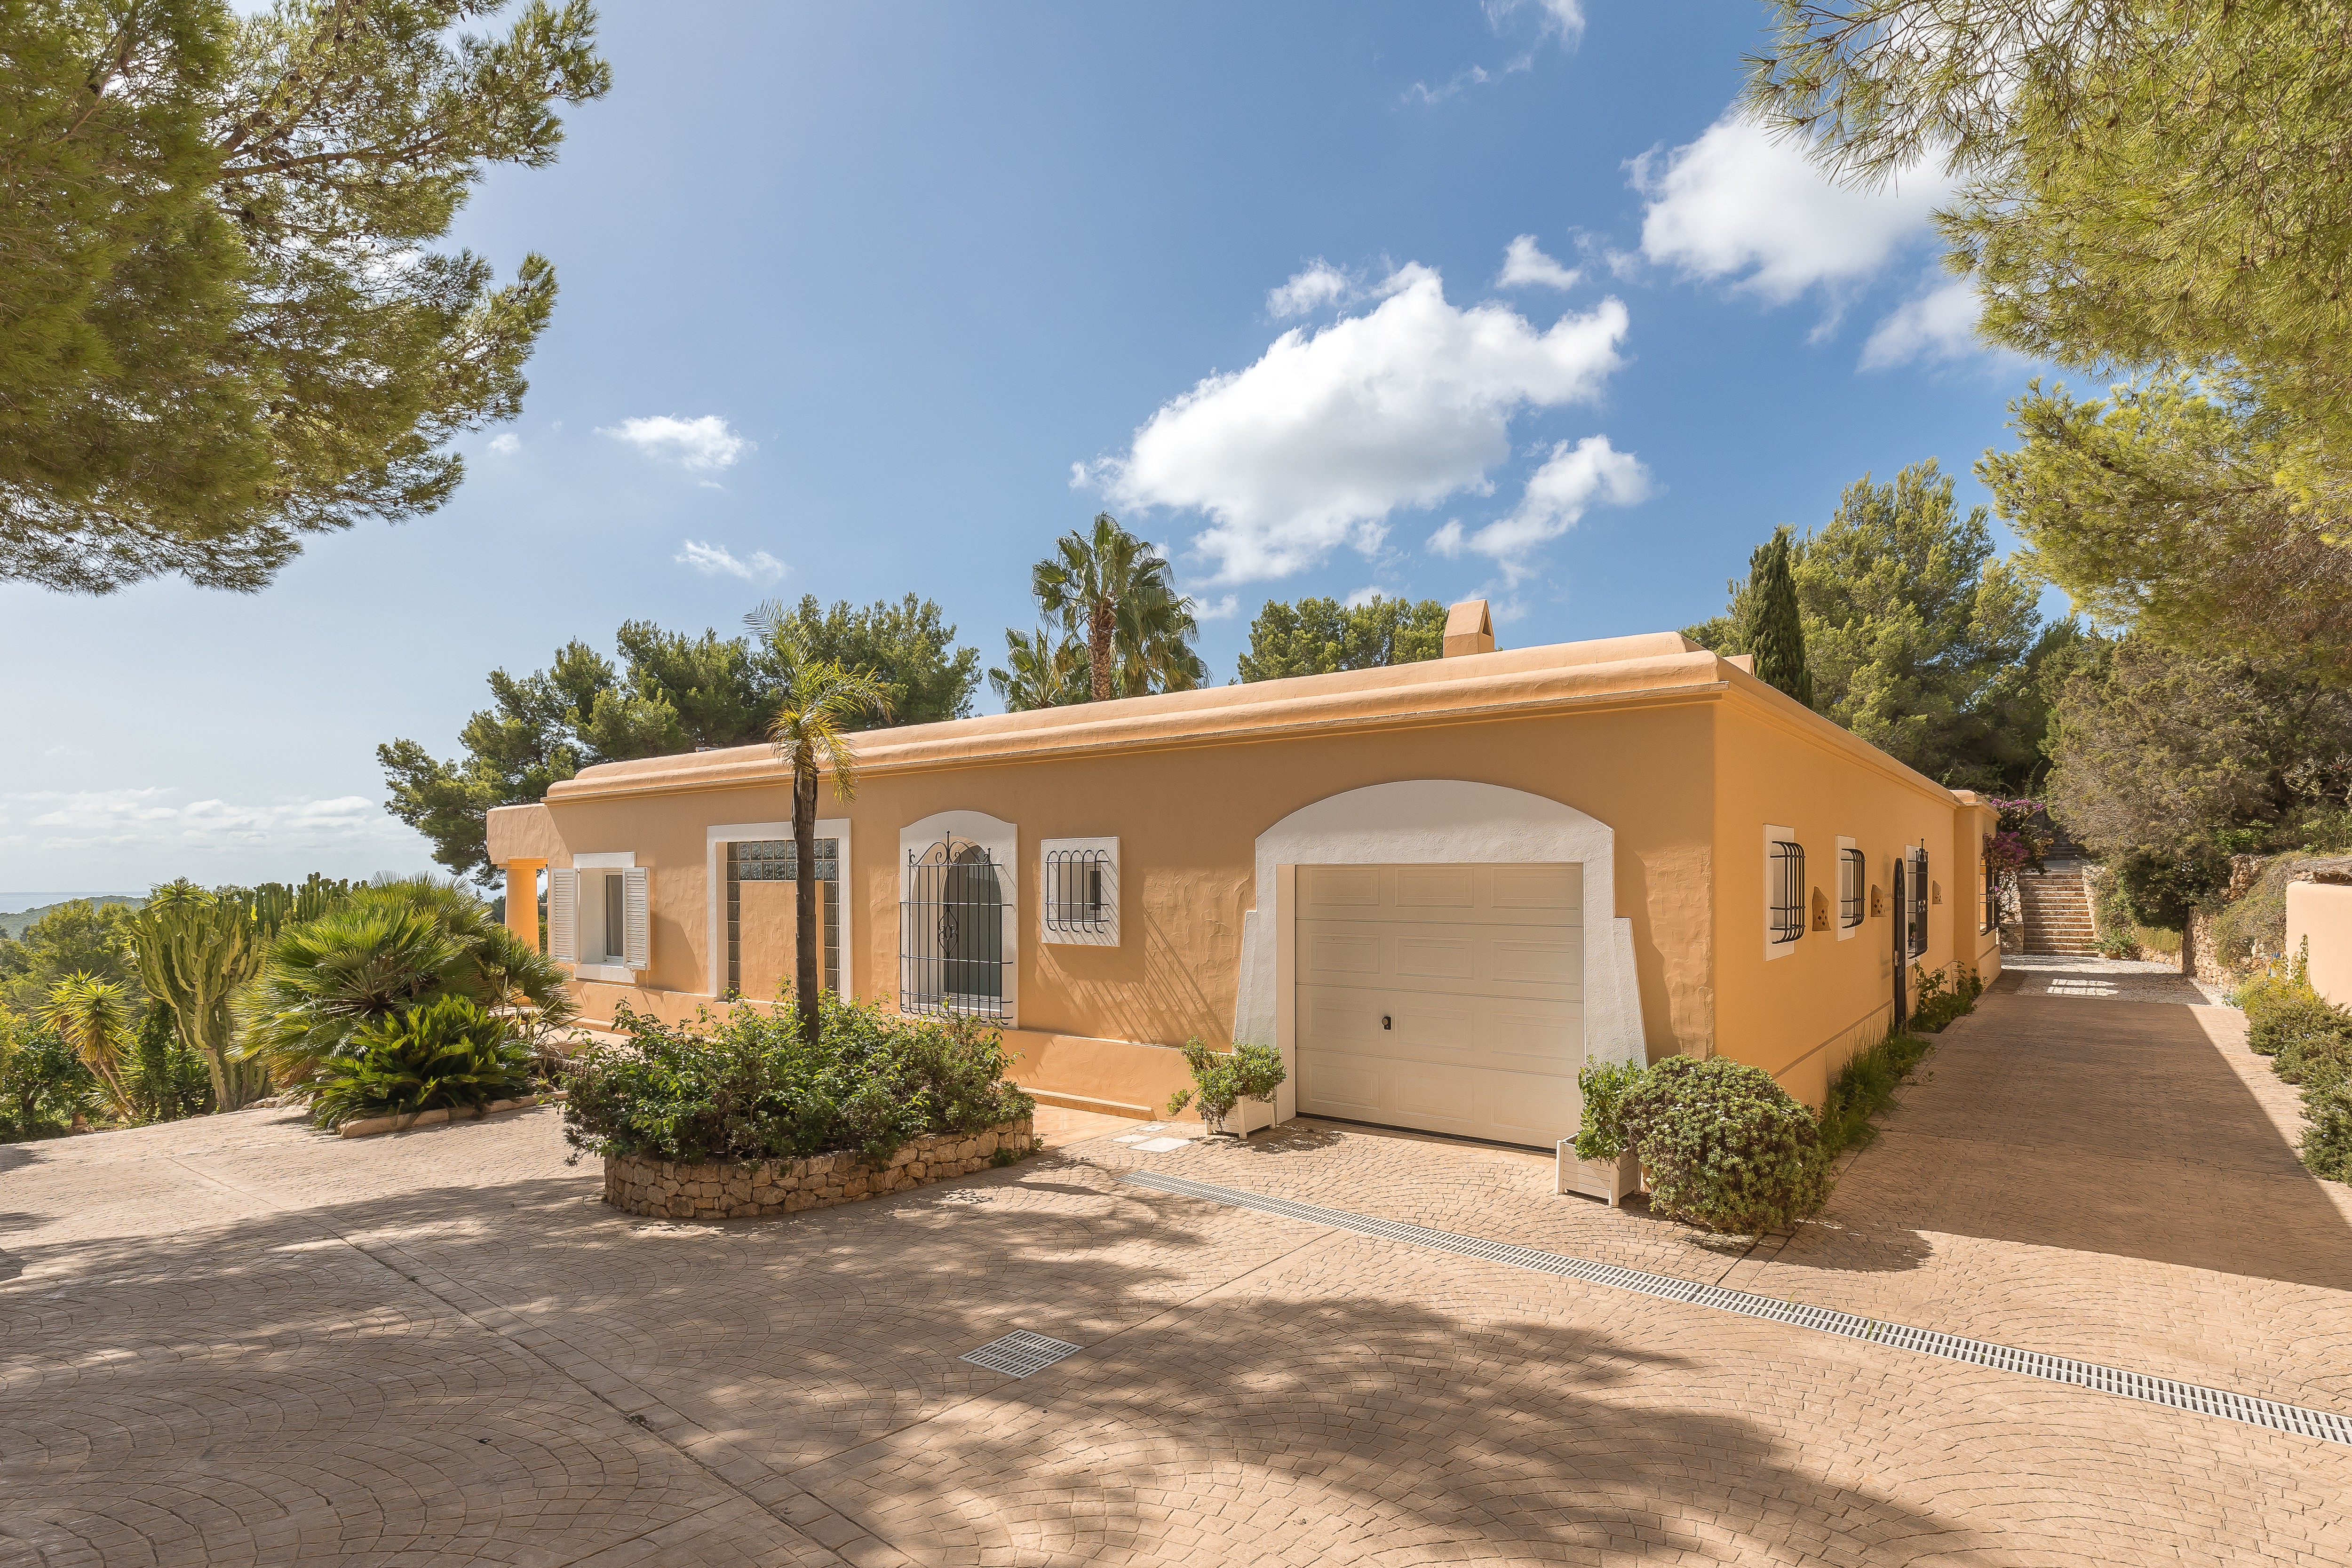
[(18, 904)]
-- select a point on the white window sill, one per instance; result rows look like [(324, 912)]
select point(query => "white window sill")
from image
[(620, 974)]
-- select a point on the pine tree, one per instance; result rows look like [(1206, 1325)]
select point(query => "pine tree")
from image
[(1775, 632)]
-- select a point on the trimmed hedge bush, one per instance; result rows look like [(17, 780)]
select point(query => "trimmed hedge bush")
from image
[(746, 1086), (1726, 1147)]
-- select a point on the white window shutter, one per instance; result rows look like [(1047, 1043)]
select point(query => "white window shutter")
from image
[(563, 915), (637, 918)]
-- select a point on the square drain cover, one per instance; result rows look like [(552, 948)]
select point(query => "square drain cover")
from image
[(1020, 1353)]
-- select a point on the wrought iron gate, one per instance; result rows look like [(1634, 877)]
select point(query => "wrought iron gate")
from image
[(951, 932)]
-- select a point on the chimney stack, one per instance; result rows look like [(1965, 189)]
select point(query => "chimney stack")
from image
[(1469, 629)]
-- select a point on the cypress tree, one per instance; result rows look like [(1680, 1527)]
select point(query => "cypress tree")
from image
[(1775, 632)]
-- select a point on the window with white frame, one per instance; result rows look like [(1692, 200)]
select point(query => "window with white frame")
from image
[(1853, 874), (1078, 891), (599, 915), (1784, 890), (778, 860)]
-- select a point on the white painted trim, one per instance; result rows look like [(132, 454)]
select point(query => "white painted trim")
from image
[(1111, 894), (1862, 891), (619, 974), (624, 860), (1002, 840), (714, 882), (1436, 821), (1773, 947)]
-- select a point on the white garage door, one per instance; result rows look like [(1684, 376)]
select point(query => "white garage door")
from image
[(1449, 998)]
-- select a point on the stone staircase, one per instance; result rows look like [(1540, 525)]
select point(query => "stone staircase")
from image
[(2057, 910)]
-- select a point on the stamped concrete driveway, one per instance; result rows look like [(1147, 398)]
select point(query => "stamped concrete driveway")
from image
[(235, 1341)]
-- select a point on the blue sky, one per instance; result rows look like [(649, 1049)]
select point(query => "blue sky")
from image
[(863, 300)]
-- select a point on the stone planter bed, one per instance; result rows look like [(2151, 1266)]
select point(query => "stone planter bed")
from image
[(747, 1189)]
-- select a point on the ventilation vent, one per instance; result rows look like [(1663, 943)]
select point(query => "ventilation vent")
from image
[(1020, 1353), (2220, 1403)]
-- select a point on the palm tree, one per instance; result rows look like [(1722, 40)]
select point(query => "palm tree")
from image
[(1044, 673), (387, 948), (1113, 590), (820, 695), (94, 1015)]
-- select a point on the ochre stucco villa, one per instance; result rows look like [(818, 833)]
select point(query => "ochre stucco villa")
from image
[(1439, 888)]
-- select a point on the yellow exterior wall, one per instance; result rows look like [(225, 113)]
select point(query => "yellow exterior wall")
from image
[(2321, 914), (1801, 1015), (1685, 778)]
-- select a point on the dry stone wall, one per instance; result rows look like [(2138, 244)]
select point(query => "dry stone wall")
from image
[(747, 1189)]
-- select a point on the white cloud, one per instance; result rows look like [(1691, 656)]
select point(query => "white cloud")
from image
[(1320, 285), (1318, 442), (717, 560), (1525, 263), (1223, 609), (701, 446), (506, 442), (1940, 324), (1571, 479), (1738, 206), (1561, 19), (154, 819), (1362, 597)]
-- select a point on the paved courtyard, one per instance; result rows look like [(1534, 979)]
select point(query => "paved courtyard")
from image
[(237, 1341)]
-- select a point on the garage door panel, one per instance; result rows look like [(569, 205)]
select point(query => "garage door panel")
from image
[(1420, 1092), (1557, 888), (1341, 1086), (1559, 962), (1528, 1107), (1479, 972), (1436, 887), (1342, 952), (1437, 957)]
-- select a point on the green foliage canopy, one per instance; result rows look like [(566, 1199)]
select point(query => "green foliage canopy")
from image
[(1116, 595), (1318, 637), (75, 938), (1916, 638), (672, 692), (221, 326)]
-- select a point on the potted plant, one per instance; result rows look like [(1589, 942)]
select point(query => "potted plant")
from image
[(1598, 1162), (1221, 1079)]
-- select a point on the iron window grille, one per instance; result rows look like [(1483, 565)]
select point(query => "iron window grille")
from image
[(1991, 897), (1080, 884), (951, 932), (1917, 936), (778, 860), (1852, 872), (1788, 891)]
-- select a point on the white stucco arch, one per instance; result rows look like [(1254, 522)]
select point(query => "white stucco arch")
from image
[(1444, 822)]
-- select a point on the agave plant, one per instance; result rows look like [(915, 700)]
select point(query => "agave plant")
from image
[(388, 948), (450, 1052)]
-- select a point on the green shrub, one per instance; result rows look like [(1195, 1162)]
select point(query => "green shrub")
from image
[(746, 1086), (2289, 1022), (1600, 1134), (446, 1054), (2327, 1142), (1725, 1146), (43, 1084), (1864, 1086), (1937, 998), (1221, 1079)]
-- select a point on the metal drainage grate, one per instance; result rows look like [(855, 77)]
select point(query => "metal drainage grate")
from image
[(1020, 1353), (2192, 1396)]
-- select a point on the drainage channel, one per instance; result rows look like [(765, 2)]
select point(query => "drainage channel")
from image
[(2298, 1419)]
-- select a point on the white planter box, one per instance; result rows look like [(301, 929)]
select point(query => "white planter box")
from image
[(1613, 1179)]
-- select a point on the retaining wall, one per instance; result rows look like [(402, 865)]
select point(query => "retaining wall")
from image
[(747, 1189)]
